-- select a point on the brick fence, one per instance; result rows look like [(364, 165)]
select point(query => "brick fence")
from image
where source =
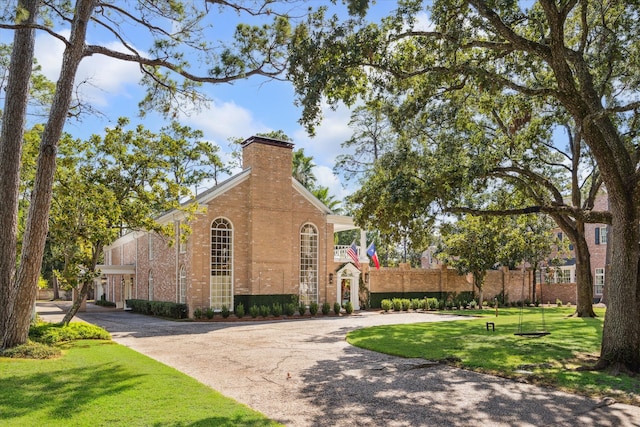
[(516, 285)]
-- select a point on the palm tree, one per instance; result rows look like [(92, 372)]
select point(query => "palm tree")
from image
[(302, 169)]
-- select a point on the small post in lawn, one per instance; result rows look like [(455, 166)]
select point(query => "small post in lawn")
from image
[(495, 301)]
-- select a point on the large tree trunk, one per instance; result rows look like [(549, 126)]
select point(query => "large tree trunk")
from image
[(11, 136), (620, 349), (38, 217), (584, 278)]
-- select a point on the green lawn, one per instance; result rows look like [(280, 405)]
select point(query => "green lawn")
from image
[(100, 383), (549, 360)]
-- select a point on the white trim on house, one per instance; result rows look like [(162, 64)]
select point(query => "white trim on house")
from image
[(117, 269)]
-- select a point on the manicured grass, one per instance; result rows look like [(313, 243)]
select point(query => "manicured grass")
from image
[(100, 383), (549, 360)]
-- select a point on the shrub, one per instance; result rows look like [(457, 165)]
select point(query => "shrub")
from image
[(209, 313), (313, 308), (225, 311), (397, 304), (417, 304), (240, 311), (406, 303), (326, 308), (290, 309), (431, 304), (32, 350), (254, 311), (197, 313), (348, 307), (158, 308), (336, 308), (276, 309), (302, 308), (473, 304), (265, 311), (385, 304), (54, 333), (105, 303)]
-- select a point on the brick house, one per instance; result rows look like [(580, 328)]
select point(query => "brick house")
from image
[(596, 236), (261, 237)]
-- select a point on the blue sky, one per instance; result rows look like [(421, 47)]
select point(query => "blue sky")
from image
[(240, 109)]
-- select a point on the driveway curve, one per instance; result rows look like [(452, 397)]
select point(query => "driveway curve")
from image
[(304, 373)]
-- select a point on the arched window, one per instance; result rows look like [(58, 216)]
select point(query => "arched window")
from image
[(308, 264), (182, 284), (221, 264), (150, 286)]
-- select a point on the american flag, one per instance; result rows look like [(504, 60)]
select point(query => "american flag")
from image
[(353, 253)]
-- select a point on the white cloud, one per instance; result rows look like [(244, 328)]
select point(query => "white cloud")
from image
[(100, 78), (326, 178), (332, 131), (224, 120)]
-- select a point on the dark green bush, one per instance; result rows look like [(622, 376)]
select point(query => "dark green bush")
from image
[(265, 311), (276, 309), (313, 308), (254, 311), (290, 309), (105, 303), (348, 307), (326, 308), (197, 313), (225, 311), (209, 313), (240, 311), (158, 308), (302, 308), (336, 308)]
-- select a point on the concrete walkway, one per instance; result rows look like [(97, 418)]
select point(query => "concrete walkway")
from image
[(304, 373)]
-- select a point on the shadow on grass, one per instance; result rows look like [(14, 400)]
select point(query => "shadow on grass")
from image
[(60, 392)]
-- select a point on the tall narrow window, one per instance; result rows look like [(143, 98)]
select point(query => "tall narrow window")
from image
[(221, 264), (308, 264), (150, 241), (150, 286), (599, 282), (182, 241), (182, 284), (603, 235)]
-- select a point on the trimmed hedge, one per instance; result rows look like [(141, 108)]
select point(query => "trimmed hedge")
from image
[(172, 310), (377, 297), (54, 333)]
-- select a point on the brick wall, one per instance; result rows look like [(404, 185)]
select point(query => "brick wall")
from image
[(516, 284)]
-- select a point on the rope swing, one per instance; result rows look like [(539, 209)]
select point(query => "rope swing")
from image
[(531, 334)]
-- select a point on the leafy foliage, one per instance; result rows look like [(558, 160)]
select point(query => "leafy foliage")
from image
[(52, 333)]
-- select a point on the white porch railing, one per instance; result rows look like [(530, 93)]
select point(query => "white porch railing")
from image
[(340, 253)]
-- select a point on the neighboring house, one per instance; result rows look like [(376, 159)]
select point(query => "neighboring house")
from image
[(262, 237), (596, 236)]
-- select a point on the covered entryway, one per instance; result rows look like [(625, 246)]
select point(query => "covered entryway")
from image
[(348, 283)]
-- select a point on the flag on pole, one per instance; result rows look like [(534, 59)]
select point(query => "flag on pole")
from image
[(371, 251), (353, 253)]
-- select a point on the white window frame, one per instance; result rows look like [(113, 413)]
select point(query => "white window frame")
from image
[(221, 264), (150, 282), (598, 281), (182, 285), (308, 264)]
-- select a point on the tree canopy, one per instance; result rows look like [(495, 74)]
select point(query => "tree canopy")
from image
[(512, 61)]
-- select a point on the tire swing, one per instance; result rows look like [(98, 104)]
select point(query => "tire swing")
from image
[(531, 334)]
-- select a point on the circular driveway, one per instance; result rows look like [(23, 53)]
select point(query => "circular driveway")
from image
[(304, 373)]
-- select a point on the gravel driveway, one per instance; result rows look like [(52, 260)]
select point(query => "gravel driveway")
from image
[(304, 373)]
